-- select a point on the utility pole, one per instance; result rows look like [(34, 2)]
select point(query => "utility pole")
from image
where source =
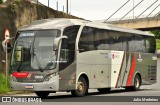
[(7, 36), (57, 5), (70, 7), (6, 63), (63, 8), (67, 6), (48, 3), (133, 9)]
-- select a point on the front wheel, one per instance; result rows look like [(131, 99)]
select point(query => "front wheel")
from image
[(42, 94), (82, 88)]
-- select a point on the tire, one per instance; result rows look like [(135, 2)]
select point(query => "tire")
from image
[(136, 85), (42, 94), (82, 88), (104, 90)]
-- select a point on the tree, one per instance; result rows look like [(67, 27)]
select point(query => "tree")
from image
[(156, 33), (1, 1)]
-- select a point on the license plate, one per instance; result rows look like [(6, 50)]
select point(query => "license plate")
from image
[(29, 86)]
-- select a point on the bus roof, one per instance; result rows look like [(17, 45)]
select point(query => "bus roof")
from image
[(59, 23)]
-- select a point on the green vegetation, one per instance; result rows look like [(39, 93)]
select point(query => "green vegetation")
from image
[(158, 43), (3, 86), (156, 33), (1, 1)]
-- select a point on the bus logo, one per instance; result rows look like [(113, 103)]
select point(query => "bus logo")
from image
[(30, 75)]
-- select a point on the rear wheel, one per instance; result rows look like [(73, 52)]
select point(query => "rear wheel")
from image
[(82, 88), (104, 90), (136, 85), (42, 94)]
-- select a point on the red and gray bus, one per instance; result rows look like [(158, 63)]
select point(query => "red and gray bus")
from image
[(75, 55)]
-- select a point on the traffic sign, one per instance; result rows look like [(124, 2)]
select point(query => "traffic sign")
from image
[(7, 35)]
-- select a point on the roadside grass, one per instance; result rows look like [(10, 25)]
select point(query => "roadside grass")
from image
[(4, 87), (158, 44)]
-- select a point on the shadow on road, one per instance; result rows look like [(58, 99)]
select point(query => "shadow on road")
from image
[(93, 94)]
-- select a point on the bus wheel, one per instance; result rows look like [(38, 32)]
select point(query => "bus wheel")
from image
[(136, 85), (82, 88), (104, 90), (42, 94)]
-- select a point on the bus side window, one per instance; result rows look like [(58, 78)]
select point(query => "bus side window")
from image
[(101, 41), (150, 44), (64, 51), (67, 54), (125, 42), (130, 42), (140, 43), (86, 40), (115, 40)]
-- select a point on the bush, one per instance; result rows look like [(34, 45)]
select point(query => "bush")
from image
[(4, 87), (156, 33), (158, 44), (1, 1)]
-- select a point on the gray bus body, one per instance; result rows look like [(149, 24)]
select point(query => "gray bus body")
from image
[(104, 55)]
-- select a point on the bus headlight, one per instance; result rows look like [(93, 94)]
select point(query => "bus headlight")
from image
[(48, 77)]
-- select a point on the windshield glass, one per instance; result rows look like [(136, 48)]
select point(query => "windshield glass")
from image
[(33, 50)]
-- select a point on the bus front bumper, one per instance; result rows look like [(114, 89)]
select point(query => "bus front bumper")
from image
[(51, 85)]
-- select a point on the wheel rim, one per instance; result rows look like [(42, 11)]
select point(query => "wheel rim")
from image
[(137, 83), (80, 87)]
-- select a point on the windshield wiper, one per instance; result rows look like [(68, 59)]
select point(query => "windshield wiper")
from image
[(38, 63), (33, 54), (18, 69)]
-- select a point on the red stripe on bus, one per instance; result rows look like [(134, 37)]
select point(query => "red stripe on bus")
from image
[(120, 70), (20, 75), (130, 76)]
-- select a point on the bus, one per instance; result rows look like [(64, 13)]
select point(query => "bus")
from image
[(73, 55)]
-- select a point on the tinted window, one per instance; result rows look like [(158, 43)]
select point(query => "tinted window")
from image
[(140, 43), (115, 39), (150, 44), (93, 39), (71, 32), (125, 42), (129, 41), (67, 54), (101, 41), (86, 40)]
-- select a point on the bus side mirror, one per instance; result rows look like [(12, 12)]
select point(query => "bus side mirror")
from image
[(7, 47), (57, 40)]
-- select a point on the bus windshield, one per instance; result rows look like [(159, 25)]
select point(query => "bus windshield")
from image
[(33, 50)]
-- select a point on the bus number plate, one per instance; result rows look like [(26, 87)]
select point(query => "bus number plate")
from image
[(29, 86)]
